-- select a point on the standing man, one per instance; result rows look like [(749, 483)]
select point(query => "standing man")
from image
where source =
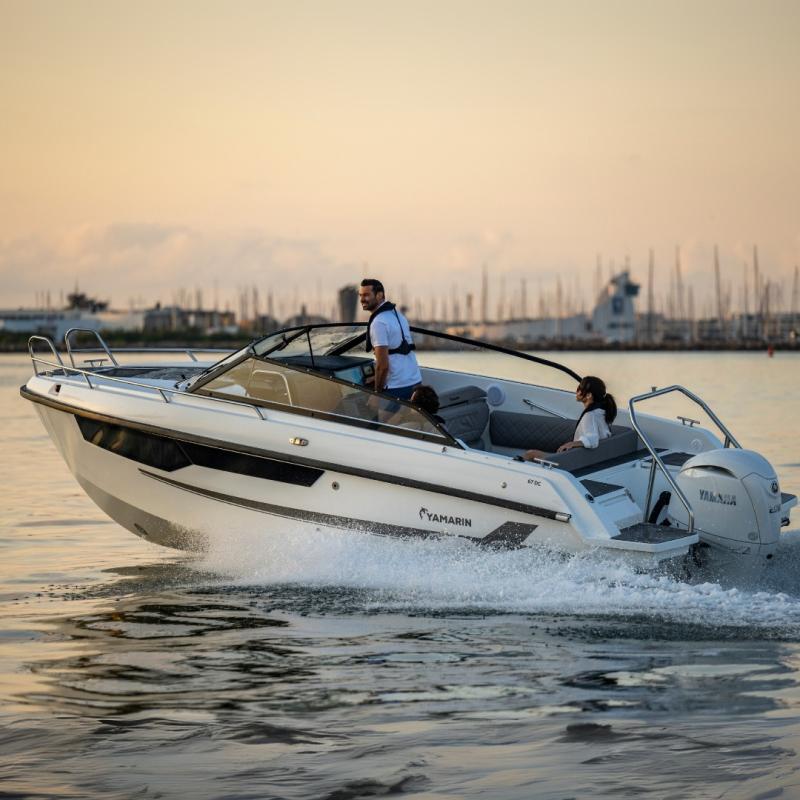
[(389, 335)]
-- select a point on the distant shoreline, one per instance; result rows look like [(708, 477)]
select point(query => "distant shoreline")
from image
[(9, 344)]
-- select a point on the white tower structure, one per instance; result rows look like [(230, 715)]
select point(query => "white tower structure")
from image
[(614, 317)]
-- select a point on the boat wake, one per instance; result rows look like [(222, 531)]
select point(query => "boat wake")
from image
[(431, 576)]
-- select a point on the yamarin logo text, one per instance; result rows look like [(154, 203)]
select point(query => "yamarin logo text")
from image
[(716, 497), (446, 518)]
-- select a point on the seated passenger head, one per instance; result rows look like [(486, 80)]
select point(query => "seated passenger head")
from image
[(426, 398), (371, 294), (595, 389)]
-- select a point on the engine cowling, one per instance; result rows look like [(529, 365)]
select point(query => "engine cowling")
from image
[(736, 502)]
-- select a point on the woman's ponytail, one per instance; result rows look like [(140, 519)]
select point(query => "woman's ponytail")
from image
[(611, 408)]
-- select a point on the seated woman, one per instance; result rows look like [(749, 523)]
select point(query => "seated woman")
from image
[(599, 411)]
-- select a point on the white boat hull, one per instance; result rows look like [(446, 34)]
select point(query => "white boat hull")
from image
[(187, 507)]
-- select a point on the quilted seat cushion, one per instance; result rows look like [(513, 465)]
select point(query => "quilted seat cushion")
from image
[(537, 432), (530, 431)]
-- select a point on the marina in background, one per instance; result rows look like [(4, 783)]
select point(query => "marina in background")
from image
[(764, 314)]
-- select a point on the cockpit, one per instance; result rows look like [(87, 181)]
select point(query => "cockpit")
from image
[(310, 371), (487, 393)]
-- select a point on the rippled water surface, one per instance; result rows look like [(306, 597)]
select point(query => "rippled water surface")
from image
[(350, 667)]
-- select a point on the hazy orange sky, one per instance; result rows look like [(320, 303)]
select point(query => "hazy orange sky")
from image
[(152, 145)]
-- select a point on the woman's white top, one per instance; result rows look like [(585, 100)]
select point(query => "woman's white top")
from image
[(592, 428)]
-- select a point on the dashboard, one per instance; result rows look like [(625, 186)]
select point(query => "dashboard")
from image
[(357, 373)]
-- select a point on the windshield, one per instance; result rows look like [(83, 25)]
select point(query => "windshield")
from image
[(314, 341), (434, 350), (222, 364)]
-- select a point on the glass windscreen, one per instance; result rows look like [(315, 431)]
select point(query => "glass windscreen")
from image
[(266, 381), (318, 341), (229, 359)]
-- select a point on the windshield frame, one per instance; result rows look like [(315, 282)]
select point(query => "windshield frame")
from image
[(220, 368), (343, 347), (349, 344)]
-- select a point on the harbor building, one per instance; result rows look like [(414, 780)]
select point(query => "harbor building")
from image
[(612, 321)]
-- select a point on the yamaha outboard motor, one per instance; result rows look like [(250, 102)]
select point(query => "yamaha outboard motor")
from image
[(736, 502)]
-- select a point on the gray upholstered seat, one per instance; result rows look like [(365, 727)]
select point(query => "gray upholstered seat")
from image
[(530, 431), (513, 433), (465, 414), (622, 442)]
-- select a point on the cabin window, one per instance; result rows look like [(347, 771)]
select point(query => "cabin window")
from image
[(268, 383)]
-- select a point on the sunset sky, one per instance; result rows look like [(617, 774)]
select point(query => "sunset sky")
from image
[(296, 145)]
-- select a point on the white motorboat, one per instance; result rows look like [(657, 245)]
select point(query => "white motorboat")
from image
[(180, 452)]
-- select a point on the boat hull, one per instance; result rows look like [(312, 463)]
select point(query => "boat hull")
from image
[(189, 507), (183, 475)]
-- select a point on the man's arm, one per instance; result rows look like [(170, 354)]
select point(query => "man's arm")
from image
[(381, 367)]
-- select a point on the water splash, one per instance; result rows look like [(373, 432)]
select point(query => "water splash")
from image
[(452, 574)]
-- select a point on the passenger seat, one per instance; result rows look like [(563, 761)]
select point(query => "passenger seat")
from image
[(465, 414)]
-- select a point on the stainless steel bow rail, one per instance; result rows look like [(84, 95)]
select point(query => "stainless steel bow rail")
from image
[(89, 376), (71, 351), (101, 341), (656, 460)]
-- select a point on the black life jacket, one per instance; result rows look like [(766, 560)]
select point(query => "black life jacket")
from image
[(405, 346)]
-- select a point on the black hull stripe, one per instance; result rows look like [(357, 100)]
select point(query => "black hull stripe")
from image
[(170, 455), (507, 535), (343, 469)]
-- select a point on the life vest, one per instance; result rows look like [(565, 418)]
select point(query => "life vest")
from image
[(405, 346)]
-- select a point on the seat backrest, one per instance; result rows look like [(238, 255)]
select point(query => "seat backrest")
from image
[(465, 414), (520, 432), (530, 431), (622, 442)]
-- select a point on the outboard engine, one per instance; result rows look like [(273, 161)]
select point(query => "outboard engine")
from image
[(736, 502)]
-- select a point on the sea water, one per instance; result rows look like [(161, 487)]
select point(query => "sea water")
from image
[(339, 665)]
